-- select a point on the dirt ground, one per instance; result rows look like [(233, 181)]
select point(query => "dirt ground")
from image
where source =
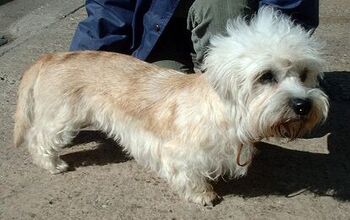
[(305, 179)]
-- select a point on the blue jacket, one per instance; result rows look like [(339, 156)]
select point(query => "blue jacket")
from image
[(133, 27)]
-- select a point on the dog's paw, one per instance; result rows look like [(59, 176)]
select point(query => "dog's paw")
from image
[(209, 198), (60, 167), (53, 165)]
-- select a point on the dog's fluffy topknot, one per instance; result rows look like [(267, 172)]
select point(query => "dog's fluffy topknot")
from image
[(268, 34)]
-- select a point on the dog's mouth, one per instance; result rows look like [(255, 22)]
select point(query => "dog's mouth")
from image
[(291, 128)]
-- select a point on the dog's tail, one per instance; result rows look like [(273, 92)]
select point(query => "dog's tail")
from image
[(25, 104)]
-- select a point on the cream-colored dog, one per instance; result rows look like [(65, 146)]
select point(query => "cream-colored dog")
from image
[(259, 82)]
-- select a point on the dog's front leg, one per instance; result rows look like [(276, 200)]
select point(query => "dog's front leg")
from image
[(188, 182), (195, 188)]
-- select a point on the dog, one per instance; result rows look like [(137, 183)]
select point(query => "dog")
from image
[(259, 81)]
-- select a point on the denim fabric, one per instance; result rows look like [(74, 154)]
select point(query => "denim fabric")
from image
[(125, 26)]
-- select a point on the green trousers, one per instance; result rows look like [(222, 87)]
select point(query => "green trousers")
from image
[(184, 42)]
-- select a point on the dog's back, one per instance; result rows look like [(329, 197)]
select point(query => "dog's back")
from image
[(54, 73)]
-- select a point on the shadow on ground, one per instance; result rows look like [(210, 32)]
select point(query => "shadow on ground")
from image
[(275, 170), (4, 1), (107, 151)]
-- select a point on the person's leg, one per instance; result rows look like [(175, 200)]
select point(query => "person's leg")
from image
[(183, 44), (173, 49), (209, 17)]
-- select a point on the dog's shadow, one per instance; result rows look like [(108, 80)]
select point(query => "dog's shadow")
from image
[(104, 152), (275, 170)]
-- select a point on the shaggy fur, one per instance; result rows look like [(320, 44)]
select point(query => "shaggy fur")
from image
[(188, 128)]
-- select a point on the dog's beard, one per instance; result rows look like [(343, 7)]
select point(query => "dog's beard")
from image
[(298, 126), (291, 129)]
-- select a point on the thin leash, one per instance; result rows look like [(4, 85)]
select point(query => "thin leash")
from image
[(238, 158)]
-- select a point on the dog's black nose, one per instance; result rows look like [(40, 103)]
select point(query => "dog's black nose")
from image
[(300, 106)]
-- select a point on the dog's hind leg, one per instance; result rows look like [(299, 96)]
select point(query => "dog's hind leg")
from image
[(44, 145)]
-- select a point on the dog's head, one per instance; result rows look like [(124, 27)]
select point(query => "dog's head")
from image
[(268, 69)]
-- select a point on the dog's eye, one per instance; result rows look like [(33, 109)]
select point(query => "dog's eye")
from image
[(303, 75), (267, 77)]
